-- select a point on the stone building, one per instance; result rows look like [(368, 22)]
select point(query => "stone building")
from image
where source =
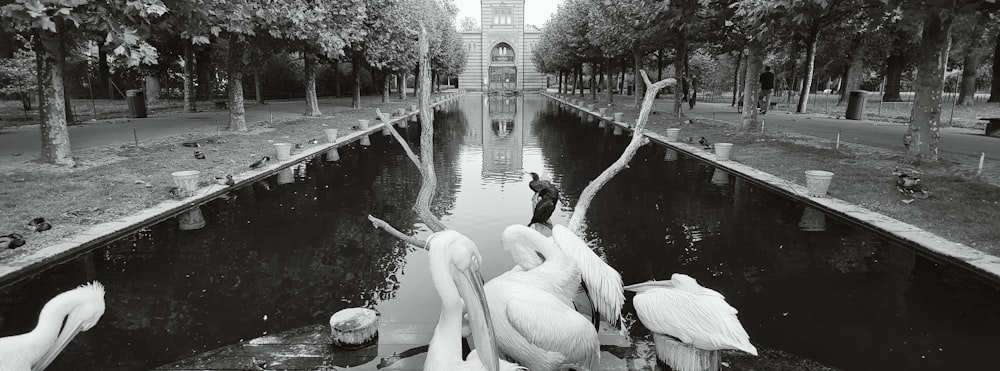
[(500, 54)]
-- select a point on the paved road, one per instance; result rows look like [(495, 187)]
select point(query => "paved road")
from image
[(953, 140), (26, 141)]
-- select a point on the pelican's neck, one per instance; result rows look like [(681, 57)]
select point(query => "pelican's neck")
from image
[(445, 348), (50, 321), (524, 245)]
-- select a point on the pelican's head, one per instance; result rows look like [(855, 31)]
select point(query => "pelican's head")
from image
[(649, 285), (86, 306), (463, 261)]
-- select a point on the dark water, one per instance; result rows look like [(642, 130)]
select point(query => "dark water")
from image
[(284, 256)]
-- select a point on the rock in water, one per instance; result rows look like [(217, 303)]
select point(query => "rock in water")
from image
[(354, 328)]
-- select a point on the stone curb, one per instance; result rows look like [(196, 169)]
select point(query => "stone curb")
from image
[(936, 247)]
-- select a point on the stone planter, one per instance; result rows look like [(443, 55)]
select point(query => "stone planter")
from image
[(818, 182), (672, 134), (722, 151), (186, 180), (331, 135), (619, 116), (602, 111), (282, 151)]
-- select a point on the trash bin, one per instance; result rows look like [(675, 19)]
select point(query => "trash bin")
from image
[(136, 103), (856, 104)]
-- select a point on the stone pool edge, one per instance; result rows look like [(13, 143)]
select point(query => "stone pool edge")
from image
[(102, 233), (985, 265)]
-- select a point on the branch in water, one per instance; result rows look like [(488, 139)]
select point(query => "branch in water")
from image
[(379, 223), (399, 138), (638, 139)]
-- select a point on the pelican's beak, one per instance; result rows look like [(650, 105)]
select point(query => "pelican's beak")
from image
[(471, 289), (640, 287), (69, 331)]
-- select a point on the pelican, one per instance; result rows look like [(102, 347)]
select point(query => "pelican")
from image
[(80, 308), (695, 315), (532, 309), (454, 265)]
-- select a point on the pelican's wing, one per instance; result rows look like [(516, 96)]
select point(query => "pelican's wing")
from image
[(554, 327), (705, 321), (604, 283)]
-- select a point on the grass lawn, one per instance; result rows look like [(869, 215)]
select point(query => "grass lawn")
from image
[(111, 181)]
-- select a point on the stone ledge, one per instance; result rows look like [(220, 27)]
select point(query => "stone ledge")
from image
[(100, 234), (930, 244)]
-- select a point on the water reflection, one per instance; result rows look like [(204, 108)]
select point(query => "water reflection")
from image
[(503, 146)]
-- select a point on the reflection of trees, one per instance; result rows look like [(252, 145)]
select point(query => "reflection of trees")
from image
[(296, 253)]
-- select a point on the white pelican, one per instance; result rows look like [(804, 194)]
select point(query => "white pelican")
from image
[(81, 308), (454, 265), (531, 306), (696, 315)]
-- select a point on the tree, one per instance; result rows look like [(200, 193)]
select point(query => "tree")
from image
[(468, 24), (17, 74), (633, 27), (925, 121), (974, 39), (800, 18), (53, 26)]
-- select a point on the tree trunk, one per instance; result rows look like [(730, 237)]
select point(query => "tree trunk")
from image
[(356, 72), (258, 86), (967, 92), (751, 88), (237, 113), (401, 84), (995, 84), (967, 89), (386, 89), (189, 99), (611, 91), (312, 101), (204, 66), (560, 89), (640, 86), (50, 63), (621, 82), (593, 82), (336, 79), (104, 73), (70, 117), (925, 121), (810, 69), (853, 75), (600, 78), (893, 76), (736, 76), (680, 74)]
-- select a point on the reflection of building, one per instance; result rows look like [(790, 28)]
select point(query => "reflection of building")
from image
[(500, 54), (503, 136)]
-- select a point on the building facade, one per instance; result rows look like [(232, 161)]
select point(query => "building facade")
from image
[(499, 55)]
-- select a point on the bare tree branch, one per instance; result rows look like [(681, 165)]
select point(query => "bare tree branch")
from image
[(399, 138), (638, 139), (379, 223), (429, 184)]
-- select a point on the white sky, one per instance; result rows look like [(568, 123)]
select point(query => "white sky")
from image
[(536, 11)]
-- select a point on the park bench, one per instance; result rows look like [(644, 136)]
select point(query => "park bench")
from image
[(992, 126)]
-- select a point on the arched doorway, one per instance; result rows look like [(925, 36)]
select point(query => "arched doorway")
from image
[(503, 71)]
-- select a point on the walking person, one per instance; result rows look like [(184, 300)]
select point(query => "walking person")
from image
[(766, 87)]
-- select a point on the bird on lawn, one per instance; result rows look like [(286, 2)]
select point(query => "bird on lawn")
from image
[(191, 144), (11, 241), (909, 185), (199, 155), (704, 143), (454, 265), (60, 320), (263, 161), (225, 180), (695, 315), (39, 225), (178, 193)]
